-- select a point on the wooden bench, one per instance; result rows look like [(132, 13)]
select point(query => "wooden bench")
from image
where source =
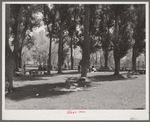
[(33, 72)]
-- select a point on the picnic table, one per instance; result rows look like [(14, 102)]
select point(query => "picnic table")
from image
[(30, 70)]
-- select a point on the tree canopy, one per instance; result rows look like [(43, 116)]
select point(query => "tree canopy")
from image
[(98, 29)]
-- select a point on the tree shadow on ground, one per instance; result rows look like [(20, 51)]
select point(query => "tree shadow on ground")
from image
[(41, 77), (103, 78), (36, 91), (29, 78), (54, 74), (66, 73)]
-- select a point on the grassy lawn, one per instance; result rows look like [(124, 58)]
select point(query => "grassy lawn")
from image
[(105, 92)]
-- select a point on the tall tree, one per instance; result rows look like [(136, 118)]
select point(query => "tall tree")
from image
[(93, 25), (17, 12), (49, 19), (29, 20), (138, 32), (17, 30), (23, 19), (9, 57), (85, 50), (122, 36), (115, 41), (63, 10), (106, 23), (72, 24)]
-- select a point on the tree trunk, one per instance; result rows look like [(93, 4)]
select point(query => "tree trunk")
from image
[(71, 54), (20, 58), (116, 57), (100, 59), (72, 59), (60, 51), (134, 59), (50, 47), (16, 39), (16, 60), (9, 58), (96, 58), (117, 66), (49, 59), (85, 52), (7, 47), (106, 57), (145, 59)]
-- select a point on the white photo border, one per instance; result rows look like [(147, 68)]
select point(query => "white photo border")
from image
[(62, 114)]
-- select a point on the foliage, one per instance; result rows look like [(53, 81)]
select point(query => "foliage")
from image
[(93, 21), (64, 23), (125, 34), (40, 48), (139, 28), (124, 42), (28, 20), (106, 24)]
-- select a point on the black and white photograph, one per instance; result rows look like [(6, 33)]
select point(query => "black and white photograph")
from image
[(75, 60)]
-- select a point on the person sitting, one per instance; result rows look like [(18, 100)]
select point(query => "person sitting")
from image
[(93, 69)]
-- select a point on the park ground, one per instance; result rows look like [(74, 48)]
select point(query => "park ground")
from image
[(106, 91)]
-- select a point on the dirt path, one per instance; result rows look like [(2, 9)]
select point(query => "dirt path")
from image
[(105, 92)]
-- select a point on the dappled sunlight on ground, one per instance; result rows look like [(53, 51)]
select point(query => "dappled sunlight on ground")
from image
[(106, 91)]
